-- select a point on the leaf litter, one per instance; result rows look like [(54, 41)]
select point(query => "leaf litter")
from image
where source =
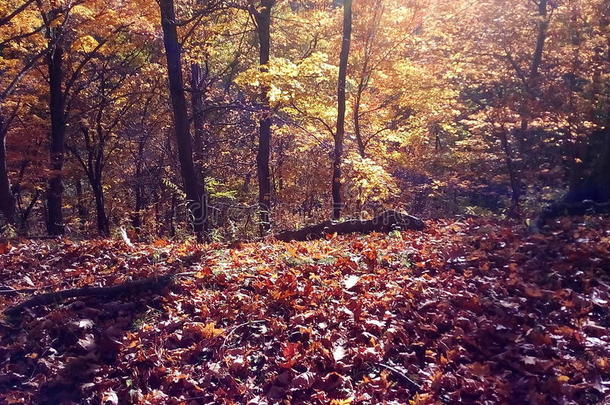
[(471, 311)]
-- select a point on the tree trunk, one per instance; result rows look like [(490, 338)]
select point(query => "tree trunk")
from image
[(263, 28), (543, 25), (532, 79), (55, 187), (591, 179), (81, 209), (198, 127), (136, 217), (171, 215), (357, 130), (593, 182), (103, 227), (279, 176), (512, 173), (7, 199), (192, 182), (340, 133), (25, 214)]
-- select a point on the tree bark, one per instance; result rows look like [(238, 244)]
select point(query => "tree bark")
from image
[(263, 29), (93, 166), (128, 287), (81, 209), (592, 182), (340, 132), (532, 79), (386, 222), (103, 227), (543, 25), (7, 199), (193, 186), (591, 179), (136, 217), (515, 184), (567, 208), (55, 226), (357, 129), (197, 102)]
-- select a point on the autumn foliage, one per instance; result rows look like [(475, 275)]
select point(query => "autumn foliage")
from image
[(145, 116), (471, 311), (304, 202)]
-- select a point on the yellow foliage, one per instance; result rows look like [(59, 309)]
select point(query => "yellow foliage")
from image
[(369, 181), (85, 44), (83, 11)]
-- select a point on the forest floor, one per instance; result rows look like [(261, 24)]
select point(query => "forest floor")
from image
[(472, 311)]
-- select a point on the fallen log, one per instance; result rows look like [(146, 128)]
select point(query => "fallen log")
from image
[(128, 287), (559, 209), (385, 222)]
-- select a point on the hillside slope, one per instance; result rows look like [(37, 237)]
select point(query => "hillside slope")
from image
[(471, 311)]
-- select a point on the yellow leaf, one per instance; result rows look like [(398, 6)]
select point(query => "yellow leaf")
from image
[(85, 44), (210, 331), (82, 11), (346, 401)]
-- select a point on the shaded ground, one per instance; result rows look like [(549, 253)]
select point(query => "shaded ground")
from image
[(464, 312)]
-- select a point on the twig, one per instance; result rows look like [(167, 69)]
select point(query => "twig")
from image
[(10, 290), (412, 384), (237, 327)]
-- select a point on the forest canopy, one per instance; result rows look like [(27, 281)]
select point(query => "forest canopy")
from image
[(231, 118)]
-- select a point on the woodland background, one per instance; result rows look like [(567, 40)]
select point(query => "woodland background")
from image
[(470, 107)]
